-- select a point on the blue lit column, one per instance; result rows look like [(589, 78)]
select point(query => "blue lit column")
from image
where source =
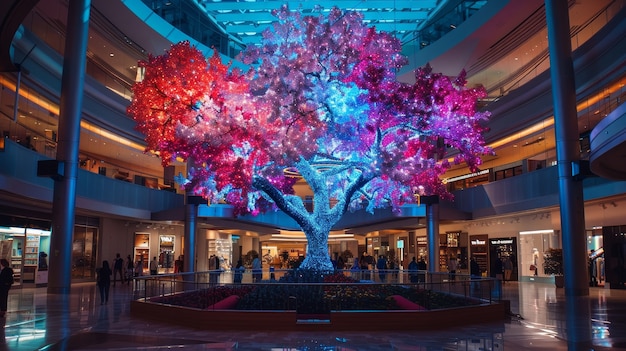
[(432, 231), (189, 260), (70, 108), (577, 310), (567, 149), (191, 218)]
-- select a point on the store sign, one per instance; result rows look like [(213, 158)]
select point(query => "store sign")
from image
[(422, 240), (166, 240), (478, 242), (501, 241)]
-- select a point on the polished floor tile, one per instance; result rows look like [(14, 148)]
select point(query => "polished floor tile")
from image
[(540, 319)]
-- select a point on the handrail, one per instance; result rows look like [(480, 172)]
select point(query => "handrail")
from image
[(208, 286)]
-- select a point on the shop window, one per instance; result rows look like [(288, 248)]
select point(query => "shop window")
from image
[(142, 249), (532, 247), (83, 249), (166, 253)]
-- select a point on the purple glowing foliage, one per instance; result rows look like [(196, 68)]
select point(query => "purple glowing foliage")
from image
[(321, 91), (392, 132)]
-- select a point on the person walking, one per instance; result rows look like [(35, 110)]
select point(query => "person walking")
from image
[(421, 268), (497, 269), (103, 281), (452, 266), (239, 270), (130, 270), (6, 280), (154, 266), (413, 271), (508, 268), (138, 271), (139, 268), (257, 270), (118, 268), (381, 266), (214, 269), (355, 270), (475, 275)]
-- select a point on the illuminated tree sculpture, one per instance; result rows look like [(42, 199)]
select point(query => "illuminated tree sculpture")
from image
[(321, 103)]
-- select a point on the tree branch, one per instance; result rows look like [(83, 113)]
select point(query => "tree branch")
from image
[(343, 204), (290, 204)]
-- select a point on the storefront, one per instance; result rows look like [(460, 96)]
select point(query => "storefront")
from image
[(503, 249), (84, 245), (478, 247), (453, 245), (614, 252), (595, 249), (166, 253), (532, 248), (26, 250), (221, 245), (422, 248), (142, 250)]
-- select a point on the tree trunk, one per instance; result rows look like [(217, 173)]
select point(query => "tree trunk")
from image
[(317, 256)]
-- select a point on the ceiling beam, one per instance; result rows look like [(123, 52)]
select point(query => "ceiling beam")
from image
[(387, 27), (238, 16), (312, 5)]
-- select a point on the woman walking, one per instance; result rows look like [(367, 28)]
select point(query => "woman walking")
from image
[(6, 280), (103, 280)]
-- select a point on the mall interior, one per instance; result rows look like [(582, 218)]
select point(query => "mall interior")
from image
[(126, 202)]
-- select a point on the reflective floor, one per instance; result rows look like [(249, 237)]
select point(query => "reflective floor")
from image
[(539, 321)]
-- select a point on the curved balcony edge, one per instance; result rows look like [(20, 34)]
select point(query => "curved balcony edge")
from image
[(608, 146)]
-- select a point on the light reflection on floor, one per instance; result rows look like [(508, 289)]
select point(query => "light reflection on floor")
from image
[(37, 321)]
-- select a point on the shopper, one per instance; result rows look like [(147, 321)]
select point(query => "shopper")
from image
[(257, 271), (178, 264), (508, 268), (103, 281), (154, 266), (381, 266), (421, 268), (239, 272), (341, 264), (130, 269), (139, 268), (6, 280), (475, 275), (365, 262), (214, 269), (43, 261), (452, 266), (118, 268), (413, 271), (498, 268)]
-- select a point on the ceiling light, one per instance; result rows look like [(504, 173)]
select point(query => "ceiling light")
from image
[(545, 231)]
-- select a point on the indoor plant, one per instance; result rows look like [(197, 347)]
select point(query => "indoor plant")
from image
[(553, 264)]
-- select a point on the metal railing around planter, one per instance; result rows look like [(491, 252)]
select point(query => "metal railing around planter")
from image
[(338, 291)]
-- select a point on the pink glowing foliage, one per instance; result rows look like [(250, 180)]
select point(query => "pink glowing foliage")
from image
[(322, 100)]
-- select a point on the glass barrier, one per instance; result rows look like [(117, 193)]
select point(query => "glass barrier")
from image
[(340, 290)]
